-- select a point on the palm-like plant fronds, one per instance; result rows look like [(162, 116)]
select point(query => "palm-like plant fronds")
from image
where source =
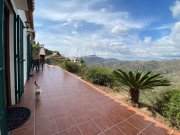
[(140, 80)]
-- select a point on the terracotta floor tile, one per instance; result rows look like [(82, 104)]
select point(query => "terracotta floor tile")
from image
[(104, 109), (89, 128), (71, 131), (81, 117), (114, 117), (155, 130), (43, 117), (64, 122), (113, 131), (60, 112), (75, 109), (24, 131), (140, 133), (144, 119), (46, 128), (27, 99), (124, 113), (93, 113), (127, 128), (58, 105), (54, 99), (116, 106), (42, 108), (140, 125), (103, 123)]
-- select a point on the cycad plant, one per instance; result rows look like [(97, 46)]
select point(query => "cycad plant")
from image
[(139, 80)]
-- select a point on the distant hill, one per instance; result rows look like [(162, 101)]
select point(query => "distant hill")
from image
[(169, 66)]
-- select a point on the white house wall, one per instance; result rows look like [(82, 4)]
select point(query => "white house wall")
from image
[(22, 15), (25, 54), (11, 47)]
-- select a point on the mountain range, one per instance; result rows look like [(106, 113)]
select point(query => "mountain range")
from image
[(166, 66)]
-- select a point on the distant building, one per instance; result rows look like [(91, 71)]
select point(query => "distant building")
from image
[(16, 36), (73, 59)]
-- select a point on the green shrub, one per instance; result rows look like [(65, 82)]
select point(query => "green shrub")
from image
[(35, 51), (71, 66), (168, 104), (100, 76), (63, 64), (171, 108)]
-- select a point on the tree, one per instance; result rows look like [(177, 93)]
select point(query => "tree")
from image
[(139, 80), (58, 53), (81, 61)]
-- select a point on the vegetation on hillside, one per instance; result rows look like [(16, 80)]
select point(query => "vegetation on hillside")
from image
[(48, 52), (165, 67), (168, 104), (169, 68), (57, 59), (54, 60), (35, 51), (71, 66), (100, 76)]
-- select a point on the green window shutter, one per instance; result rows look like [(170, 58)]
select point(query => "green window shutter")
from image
[(3, 109), (29, 56), (19, 61), (15, 59)]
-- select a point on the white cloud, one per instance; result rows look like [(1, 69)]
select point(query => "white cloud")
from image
[(112, 39), (120, 29), (162, 27), (73, 11), (74, 32), (129, 48), (147, 40), (175, 35), (165, 47), (176, 9)]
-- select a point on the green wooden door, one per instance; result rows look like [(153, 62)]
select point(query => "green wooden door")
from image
[(21, 59), (3, 106), (19, 66)]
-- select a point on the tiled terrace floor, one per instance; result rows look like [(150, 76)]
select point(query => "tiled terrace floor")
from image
[(68, 106)]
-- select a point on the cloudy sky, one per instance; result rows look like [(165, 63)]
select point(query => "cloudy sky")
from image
[(122, 29)]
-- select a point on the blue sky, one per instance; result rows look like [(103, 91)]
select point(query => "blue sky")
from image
[(122, 29)]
